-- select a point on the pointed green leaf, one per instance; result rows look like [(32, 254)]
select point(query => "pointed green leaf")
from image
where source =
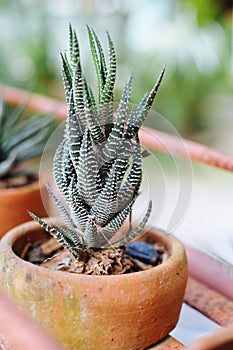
[(111, 146), (115, 223), (91, 118), (96, 59), (105, 205), (107, 93), (103, 66), (63, 212), (73, 48), (139, 228), (74, 131), (87, 171), (132, 183), (67, 76), (78, 92), (78, 210), (90, 233)]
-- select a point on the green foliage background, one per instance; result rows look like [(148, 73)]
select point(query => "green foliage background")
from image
[(192, 37)]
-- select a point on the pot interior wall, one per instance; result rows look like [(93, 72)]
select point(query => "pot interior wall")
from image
[(30, 237)]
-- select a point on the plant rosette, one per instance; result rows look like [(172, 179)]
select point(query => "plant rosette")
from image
[(128, 311)]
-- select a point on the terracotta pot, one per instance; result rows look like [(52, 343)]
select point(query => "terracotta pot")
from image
[(14, 204), (204, 268), (15, 329), (123, 312), (220, 339)]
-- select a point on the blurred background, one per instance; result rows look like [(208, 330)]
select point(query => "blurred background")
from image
[(193, 38)]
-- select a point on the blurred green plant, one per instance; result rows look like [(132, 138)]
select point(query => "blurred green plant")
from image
[(192, 37), (210, 10), (194, 41), (22, 137), (29, 40)]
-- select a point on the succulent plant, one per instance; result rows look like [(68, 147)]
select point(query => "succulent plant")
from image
[(21, 137), (98, 165)]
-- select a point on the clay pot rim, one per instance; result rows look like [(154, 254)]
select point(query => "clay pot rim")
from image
[(11, 191), (172, 243)]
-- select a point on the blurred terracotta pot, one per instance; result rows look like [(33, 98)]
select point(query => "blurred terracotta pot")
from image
[(122, 312), (15, 203), (19, 332), (204, 268), (220, 339)]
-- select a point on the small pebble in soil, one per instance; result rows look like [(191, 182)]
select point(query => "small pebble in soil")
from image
[(143, 251)]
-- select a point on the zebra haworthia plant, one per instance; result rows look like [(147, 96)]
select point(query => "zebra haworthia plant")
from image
[(97, 166)]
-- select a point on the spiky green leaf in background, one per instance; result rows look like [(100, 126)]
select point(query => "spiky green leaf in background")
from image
[(97, 166), (21, 137)]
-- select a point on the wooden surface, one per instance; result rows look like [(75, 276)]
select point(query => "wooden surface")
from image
[(210, 303), (168, 343)]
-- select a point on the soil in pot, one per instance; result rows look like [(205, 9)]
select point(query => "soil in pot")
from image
[(16, 181), (50, 254)]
